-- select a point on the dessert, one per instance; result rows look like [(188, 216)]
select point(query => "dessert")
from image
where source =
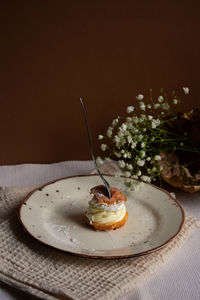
[(106, 213)]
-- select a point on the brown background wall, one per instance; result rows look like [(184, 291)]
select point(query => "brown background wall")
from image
[(53, 52)]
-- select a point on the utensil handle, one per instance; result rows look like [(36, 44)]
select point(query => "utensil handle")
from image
[(92, 149)]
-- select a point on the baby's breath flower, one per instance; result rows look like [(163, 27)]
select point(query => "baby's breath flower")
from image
[(145, 178), (142, 153), (156, 105), (117, 154), (186, 90), (124, 127), (103, 147), (100, 137), (109, 131), (144, 129), (140, 162), (155, 123), (129, 155), (149, 117), (142, 106), (160, 99), (121, 163), (125, 155), (122, 151), (120, 134), (142, 117), (149, 106), (142, 145), (135, 130), (181, 144), (129, 167), (128, 119), (157, 157), (129, 139), (115, 122), (139, 97), (123, 141), (165, 106), (175, 101), (148, 158), (128, 174), (130, 109), (99, 160), (116, 140), (135, 120), (140, 137), (133, 145), (129, 126), (139, 173)]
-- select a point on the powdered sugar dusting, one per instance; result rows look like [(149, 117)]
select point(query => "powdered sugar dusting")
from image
[(63, 232)]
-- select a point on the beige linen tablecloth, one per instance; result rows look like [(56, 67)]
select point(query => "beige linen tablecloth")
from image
[(50, 274)]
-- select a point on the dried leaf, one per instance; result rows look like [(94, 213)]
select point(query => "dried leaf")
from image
[(177, 175)]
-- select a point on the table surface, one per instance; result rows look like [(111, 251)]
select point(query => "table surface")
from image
[(178, 279)]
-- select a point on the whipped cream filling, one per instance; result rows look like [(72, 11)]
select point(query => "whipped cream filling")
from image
[(103, 213)]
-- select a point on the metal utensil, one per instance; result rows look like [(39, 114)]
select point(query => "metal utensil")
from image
[(92, 150)]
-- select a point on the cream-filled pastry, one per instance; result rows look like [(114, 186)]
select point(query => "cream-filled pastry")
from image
[(104, 213)]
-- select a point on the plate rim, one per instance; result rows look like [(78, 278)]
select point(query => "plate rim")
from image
[(100, 256)]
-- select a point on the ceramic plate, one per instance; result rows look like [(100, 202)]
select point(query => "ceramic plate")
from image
[(54, 215)]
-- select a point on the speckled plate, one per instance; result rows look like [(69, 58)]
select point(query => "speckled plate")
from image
[(54, 215)]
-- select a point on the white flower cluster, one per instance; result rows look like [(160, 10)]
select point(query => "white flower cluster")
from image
[(135, 139)]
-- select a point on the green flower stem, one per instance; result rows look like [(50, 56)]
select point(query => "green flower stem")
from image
[(163, 140), (168, 132)]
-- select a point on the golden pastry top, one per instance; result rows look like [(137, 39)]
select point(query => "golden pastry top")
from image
[(100, 195)]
